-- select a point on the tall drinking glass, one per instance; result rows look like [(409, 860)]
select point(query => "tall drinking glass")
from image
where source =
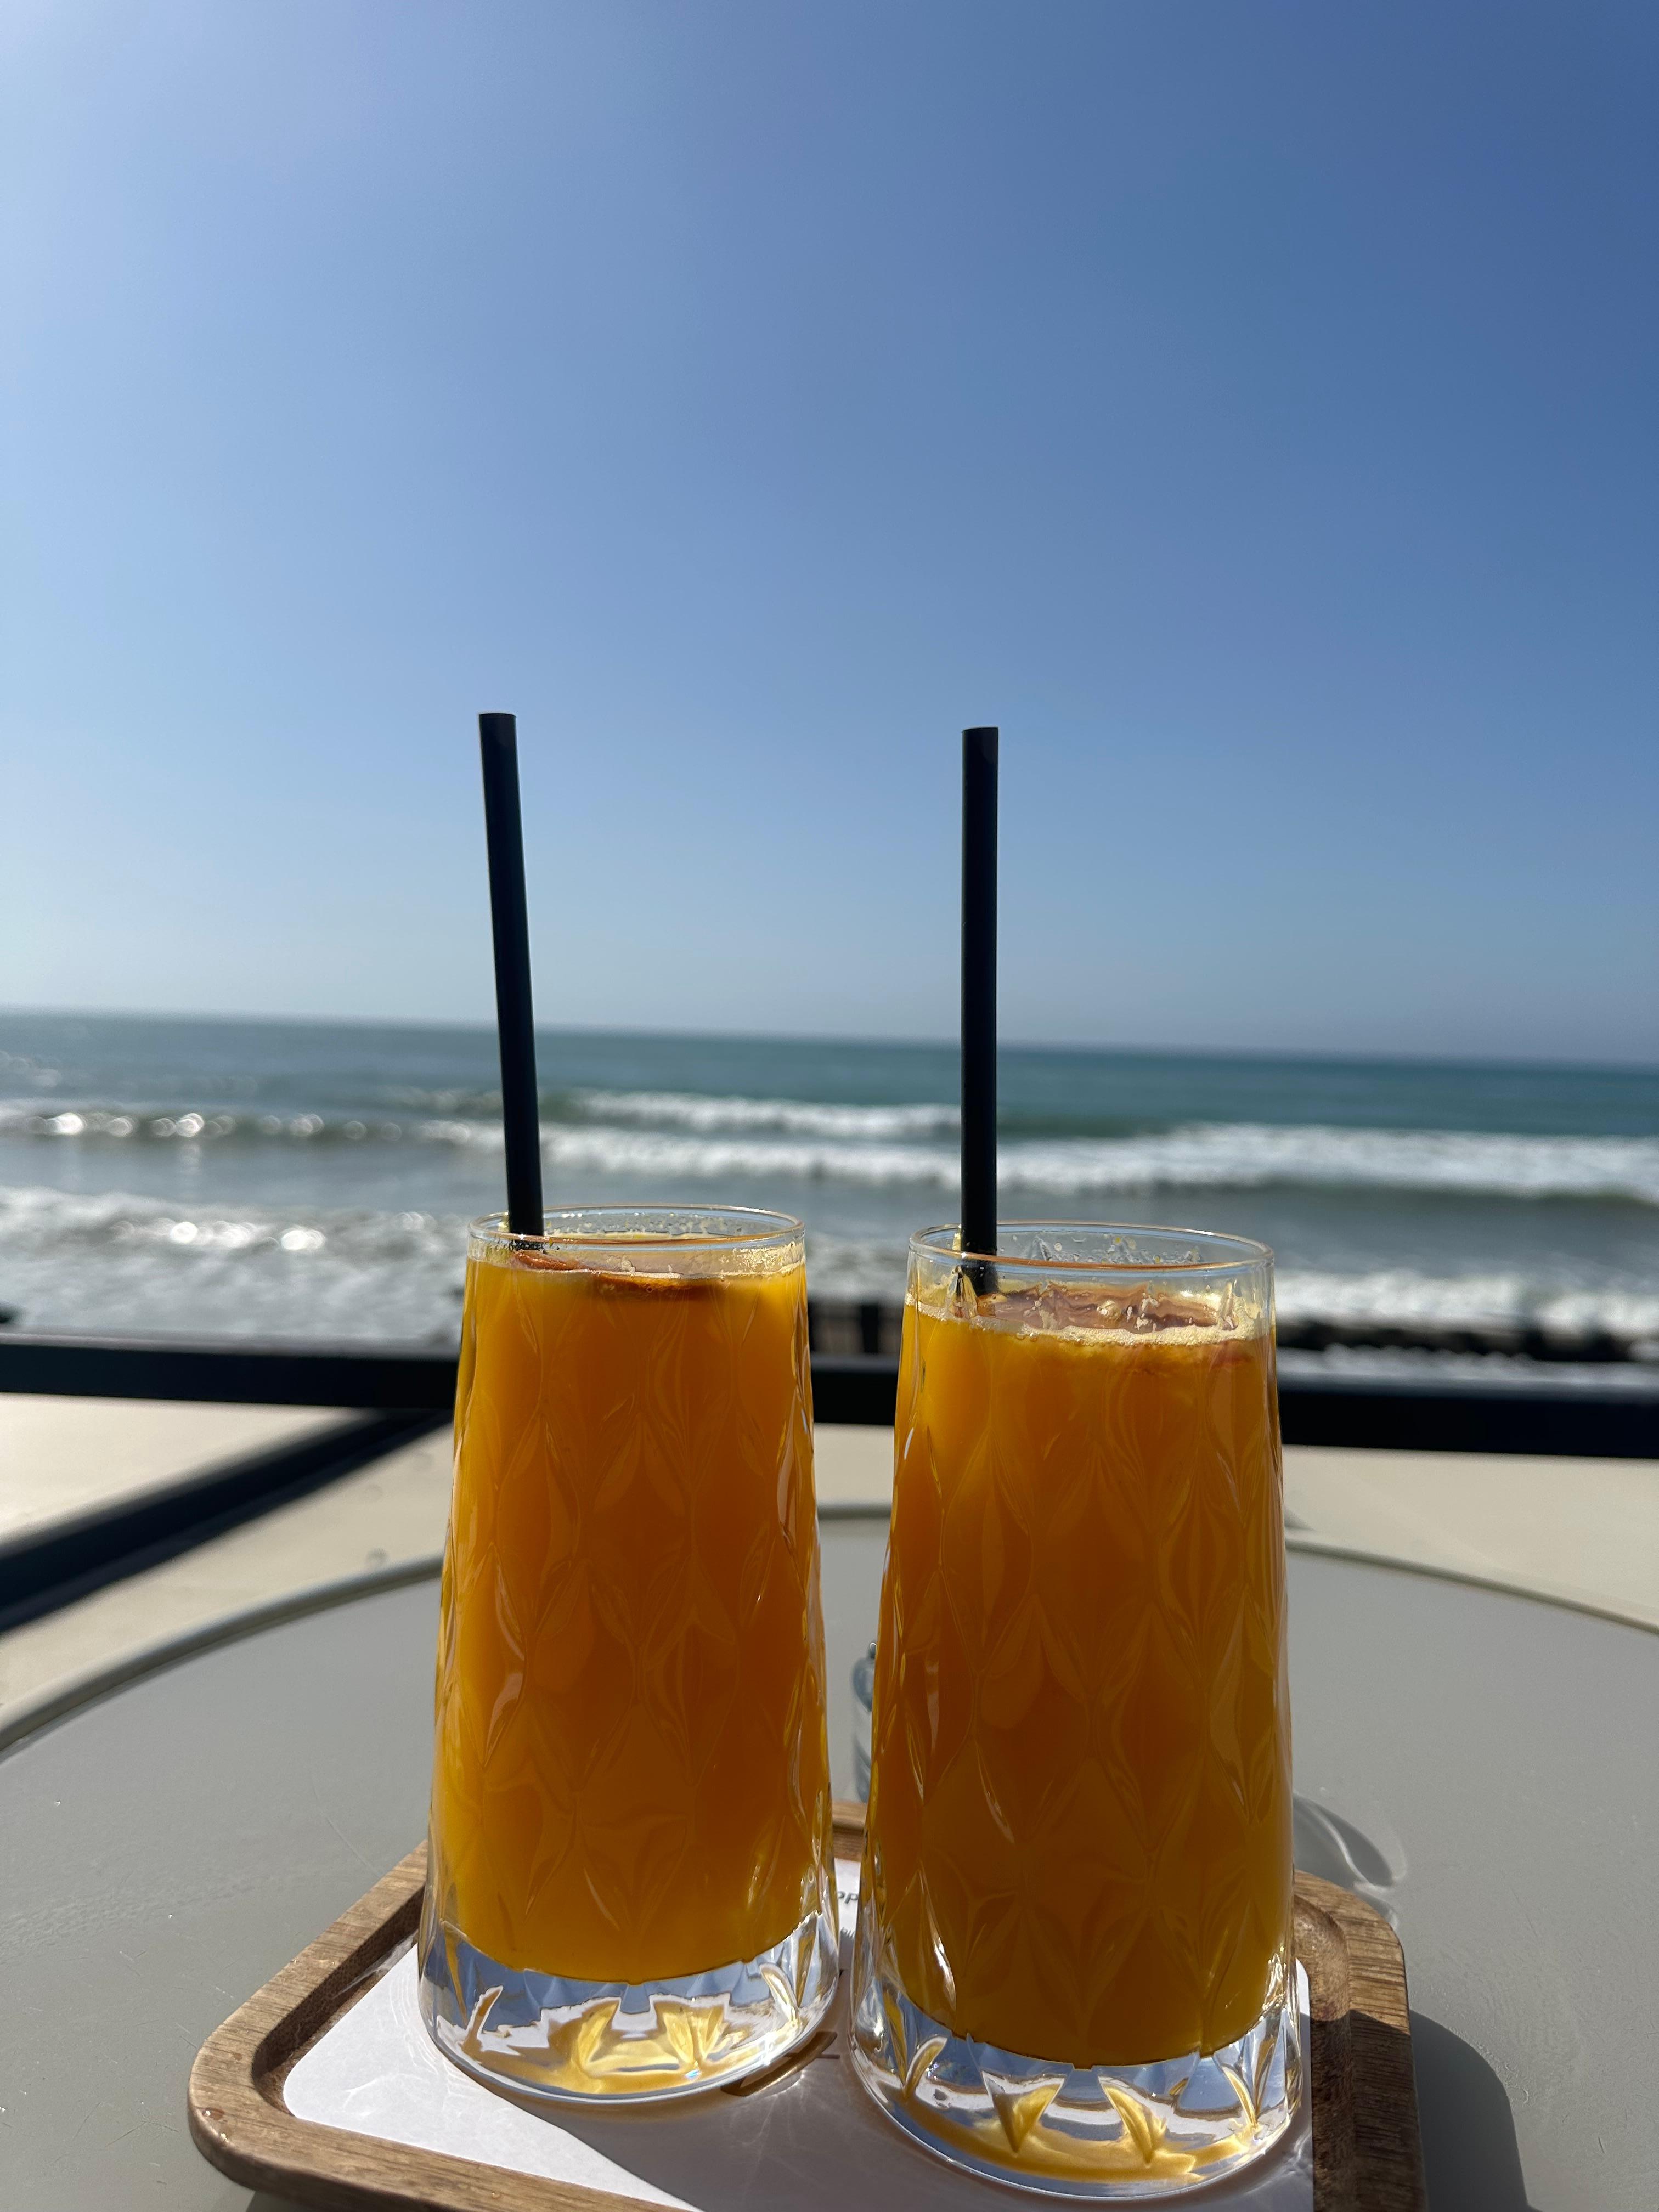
[(630, 1890), (1074, 1966)]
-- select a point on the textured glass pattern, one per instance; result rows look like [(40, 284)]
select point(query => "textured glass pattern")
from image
[(1078, 1854), (631, 1783)]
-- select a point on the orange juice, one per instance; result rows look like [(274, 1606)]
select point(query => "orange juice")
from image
[(1080, 1798), (630, 1780)]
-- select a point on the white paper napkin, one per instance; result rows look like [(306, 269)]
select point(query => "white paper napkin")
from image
[(813, 2141)]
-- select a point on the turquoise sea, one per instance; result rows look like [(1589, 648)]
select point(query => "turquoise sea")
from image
[(313, 1181)]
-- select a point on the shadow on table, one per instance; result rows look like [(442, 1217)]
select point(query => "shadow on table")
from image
[(1470, 2155)]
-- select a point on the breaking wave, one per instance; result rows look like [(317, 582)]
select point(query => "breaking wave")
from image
[(118, 1261), (1206, 1157), (1407, 1299), (683, 1138), (688, 1110)]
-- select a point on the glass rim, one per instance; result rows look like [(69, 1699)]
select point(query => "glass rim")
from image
[(1229, 1253), (754, 1229)]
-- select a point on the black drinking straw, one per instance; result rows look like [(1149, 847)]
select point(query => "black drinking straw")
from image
[(979, 997), (498, 742)]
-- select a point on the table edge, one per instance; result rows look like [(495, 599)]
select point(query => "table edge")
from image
[(35, 1715), (1330, 1547)]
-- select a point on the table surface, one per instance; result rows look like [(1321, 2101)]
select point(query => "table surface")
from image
[(1489, 1762)]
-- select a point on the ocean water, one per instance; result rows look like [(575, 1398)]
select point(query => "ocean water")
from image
[(314, 1182)]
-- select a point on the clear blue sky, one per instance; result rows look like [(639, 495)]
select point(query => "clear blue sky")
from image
[(1252, 409)]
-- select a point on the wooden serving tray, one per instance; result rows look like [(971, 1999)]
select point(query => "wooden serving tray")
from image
[(1366, 2156)]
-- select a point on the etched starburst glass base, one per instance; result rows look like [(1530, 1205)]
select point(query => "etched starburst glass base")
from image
[(548, 2035), (1092, 2131)]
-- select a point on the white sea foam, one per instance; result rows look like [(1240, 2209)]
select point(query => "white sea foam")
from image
[(1244, 1154), (655, 1153), (118, 1220), (865, 1144), (688, 1110), (1408, 1298), (623, 1134), (113, 1261), (1238, 1156), (184, 1124)]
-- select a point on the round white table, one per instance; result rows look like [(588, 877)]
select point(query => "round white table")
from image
[(1485, 1762)]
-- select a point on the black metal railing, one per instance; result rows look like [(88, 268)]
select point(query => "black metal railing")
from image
[(867, 1326), (847, 1386), (401, 1393), (404, 1392)]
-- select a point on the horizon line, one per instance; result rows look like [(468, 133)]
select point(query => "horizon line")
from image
[(937, 1043)]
